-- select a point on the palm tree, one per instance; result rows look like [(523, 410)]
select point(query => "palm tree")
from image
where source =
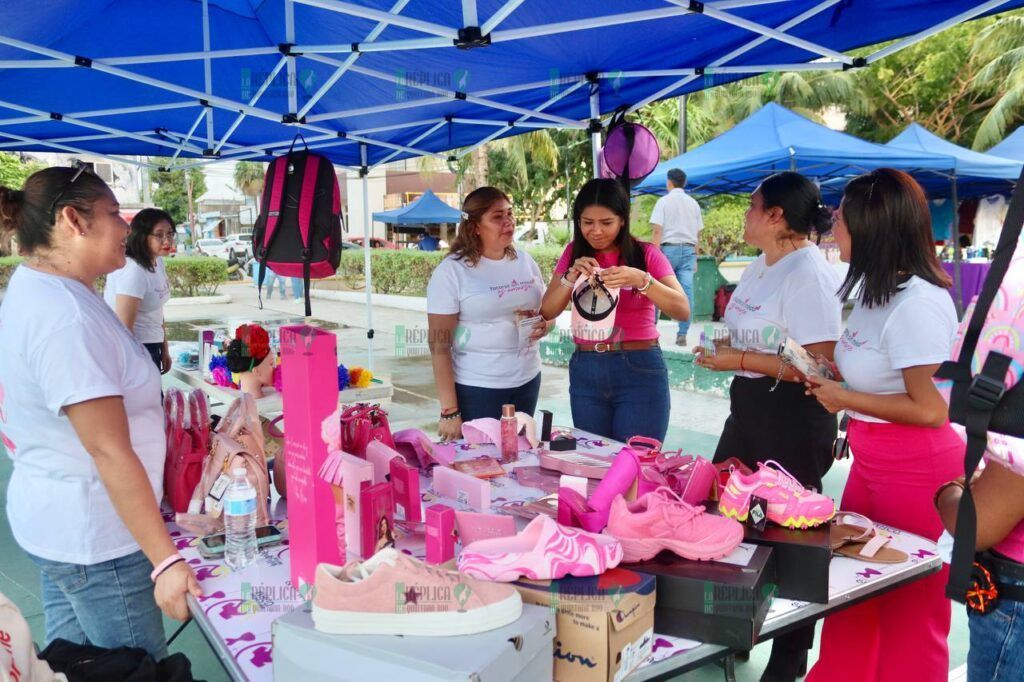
[(1000, 47), (248, 179)]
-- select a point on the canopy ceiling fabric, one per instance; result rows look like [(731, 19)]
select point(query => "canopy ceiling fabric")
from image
[(1012, 147), (369, 81), (427, 209), (775, 139), (976, 174)]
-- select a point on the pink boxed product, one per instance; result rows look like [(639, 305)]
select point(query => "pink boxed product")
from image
[(380, 455), (355, 471), (463, 488), (405, 479), (377, 513), (309, 366), (576, 463), (440, 534)]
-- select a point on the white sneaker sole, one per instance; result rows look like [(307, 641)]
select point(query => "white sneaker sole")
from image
[(424, 624)]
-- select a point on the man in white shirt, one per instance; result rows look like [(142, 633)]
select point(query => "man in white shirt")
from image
[(677, 222)]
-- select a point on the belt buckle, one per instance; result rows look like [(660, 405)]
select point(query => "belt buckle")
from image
[(601, 347)]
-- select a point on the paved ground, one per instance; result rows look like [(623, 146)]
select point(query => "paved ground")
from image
[(695, 423)]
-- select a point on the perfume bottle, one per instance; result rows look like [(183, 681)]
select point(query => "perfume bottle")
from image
[(509, 434)]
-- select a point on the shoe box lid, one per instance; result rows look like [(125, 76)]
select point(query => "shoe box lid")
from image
[(605, 623), (505, 654)]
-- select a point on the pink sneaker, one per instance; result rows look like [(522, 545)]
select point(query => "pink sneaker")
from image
[(543, 551), (394, 594), (789, 503), (660, 520)]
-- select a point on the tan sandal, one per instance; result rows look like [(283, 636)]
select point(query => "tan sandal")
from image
[(854, 536)]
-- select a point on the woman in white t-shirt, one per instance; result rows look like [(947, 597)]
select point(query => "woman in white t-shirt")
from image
[(901, 329), (482, 308), (138, 291), (788, 292), (83, 424)]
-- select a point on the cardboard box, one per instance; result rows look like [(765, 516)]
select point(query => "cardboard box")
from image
[(802, 559), (520, 652), (605, 624), (309, 363), (717, 602)]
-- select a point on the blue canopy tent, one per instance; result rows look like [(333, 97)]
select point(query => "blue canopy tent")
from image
[(371, 81), (428, 209), (1012, 147), (775, 139)]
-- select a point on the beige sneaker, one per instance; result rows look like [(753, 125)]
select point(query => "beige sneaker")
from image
[(394, 594)]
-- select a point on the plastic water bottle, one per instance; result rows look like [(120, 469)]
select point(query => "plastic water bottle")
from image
[(239, 522)]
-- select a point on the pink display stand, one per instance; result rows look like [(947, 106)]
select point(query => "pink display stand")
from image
[(309, 371)]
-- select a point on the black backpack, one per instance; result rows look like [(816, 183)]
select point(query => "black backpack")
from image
[(298, 231)]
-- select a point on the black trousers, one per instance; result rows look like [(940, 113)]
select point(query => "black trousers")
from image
[(794, 430)]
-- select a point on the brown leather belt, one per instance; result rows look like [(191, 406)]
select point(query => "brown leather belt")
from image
[(620, 346)]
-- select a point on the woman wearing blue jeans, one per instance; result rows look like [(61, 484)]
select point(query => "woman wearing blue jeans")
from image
[(84, 425), (482, 303), (619, 388)]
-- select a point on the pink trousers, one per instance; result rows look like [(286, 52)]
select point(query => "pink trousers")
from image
[(900, 635)]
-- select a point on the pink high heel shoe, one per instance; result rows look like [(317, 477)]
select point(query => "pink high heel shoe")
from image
[(624, 478), (575, 512)]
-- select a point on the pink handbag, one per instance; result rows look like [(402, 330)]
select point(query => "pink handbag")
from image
[(362, 423), (689, 476), (187, 425)]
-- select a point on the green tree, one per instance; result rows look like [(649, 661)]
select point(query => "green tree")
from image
[(14, 171), (248, 178), (171, 193), (999, 51), (525, 167)]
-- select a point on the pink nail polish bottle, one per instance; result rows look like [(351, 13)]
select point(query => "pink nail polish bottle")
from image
[(509, 434)]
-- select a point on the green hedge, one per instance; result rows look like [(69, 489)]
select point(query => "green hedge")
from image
[(407, 272), (7, 265), (195, 275)]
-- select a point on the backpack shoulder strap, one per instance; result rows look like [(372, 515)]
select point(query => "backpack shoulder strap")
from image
[(306, 197)]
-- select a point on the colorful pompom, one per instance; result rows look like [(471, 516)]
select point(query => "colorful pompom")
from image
[(217, 361), (222, 377), (343, 378), (360, 377)]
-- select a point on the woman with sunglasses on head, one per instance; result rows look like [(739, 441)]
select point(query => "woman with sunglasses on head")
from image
[(86, 429), (618, 387), (901, 329), (138, 291), (788, 292), (478, 298)]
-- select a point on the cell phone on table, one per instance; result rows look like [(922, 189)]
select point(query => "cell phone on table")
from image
[(212, 546)]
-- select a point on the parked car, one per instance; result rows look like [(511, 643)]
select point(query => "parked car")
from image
[(346, 245), (212, 247), (241, 244), (375, 243)]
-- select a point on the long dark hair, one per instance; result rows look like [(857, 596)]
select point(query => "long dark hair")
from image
[(800, 201), (891, 237), (31, 212), (143, 224), (609, 194)]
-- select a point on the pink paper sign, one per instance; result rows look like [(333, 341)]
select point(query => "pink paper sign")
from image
[(309, 371)]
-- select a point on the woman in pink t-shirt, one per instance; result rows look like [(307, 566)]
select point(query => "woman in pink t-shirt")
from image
[(618, 385)]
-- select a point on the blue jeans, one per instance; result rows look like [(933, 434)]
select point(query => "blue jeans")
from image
[(297, 290), (620, 394), (109, 604), (476, 402), (683, 260), (997, 641)]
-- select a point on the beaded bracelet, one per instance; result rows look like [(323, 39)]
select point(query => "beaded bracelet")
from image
[(453, 415)]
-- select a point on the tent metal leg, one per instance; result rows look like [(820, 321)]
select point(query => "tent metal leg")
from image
[(367, 267)]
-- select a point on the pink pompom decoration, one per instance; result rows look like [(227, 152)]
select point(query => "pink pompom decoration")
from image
[(222, 377), (277, 381)]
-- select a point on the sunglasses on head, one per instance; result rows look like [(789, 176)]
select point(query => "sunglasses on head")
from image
[(64, 190)]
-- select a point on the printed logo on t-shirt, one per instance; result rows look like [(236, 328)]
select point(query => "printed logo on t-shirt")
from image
[(743, 306), (7, 442), (849, 340), (511, 287)]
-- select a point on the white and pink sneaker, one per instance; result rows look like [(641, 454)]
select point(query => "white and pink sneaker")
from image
[(543, 551)]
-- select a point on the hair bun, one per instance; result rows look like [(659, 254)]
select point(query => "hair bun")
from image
[(11, 203)]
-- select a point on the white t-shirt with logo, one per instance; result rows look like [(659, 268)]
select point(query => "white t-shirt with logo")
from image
[(60, 345), (486, 351), (917, 327), (794, 298), (151, 287)]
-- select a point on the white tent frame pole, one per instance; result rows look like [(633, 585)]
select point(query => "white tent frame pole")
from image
[(97, 113), (335, 115), (929, 32), (595, 137), (378, 46), (289, 36), (351, 59), (74, 138), (711, 70), (76, 150), (398, 126), (469, 14), (378, 15), (498, 124), (498, 133), (252, 102), (58, 63), (743, 49), (499, 16), (89, 125), (416, 140), (207, 73), (367, 264), (191, 132)]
